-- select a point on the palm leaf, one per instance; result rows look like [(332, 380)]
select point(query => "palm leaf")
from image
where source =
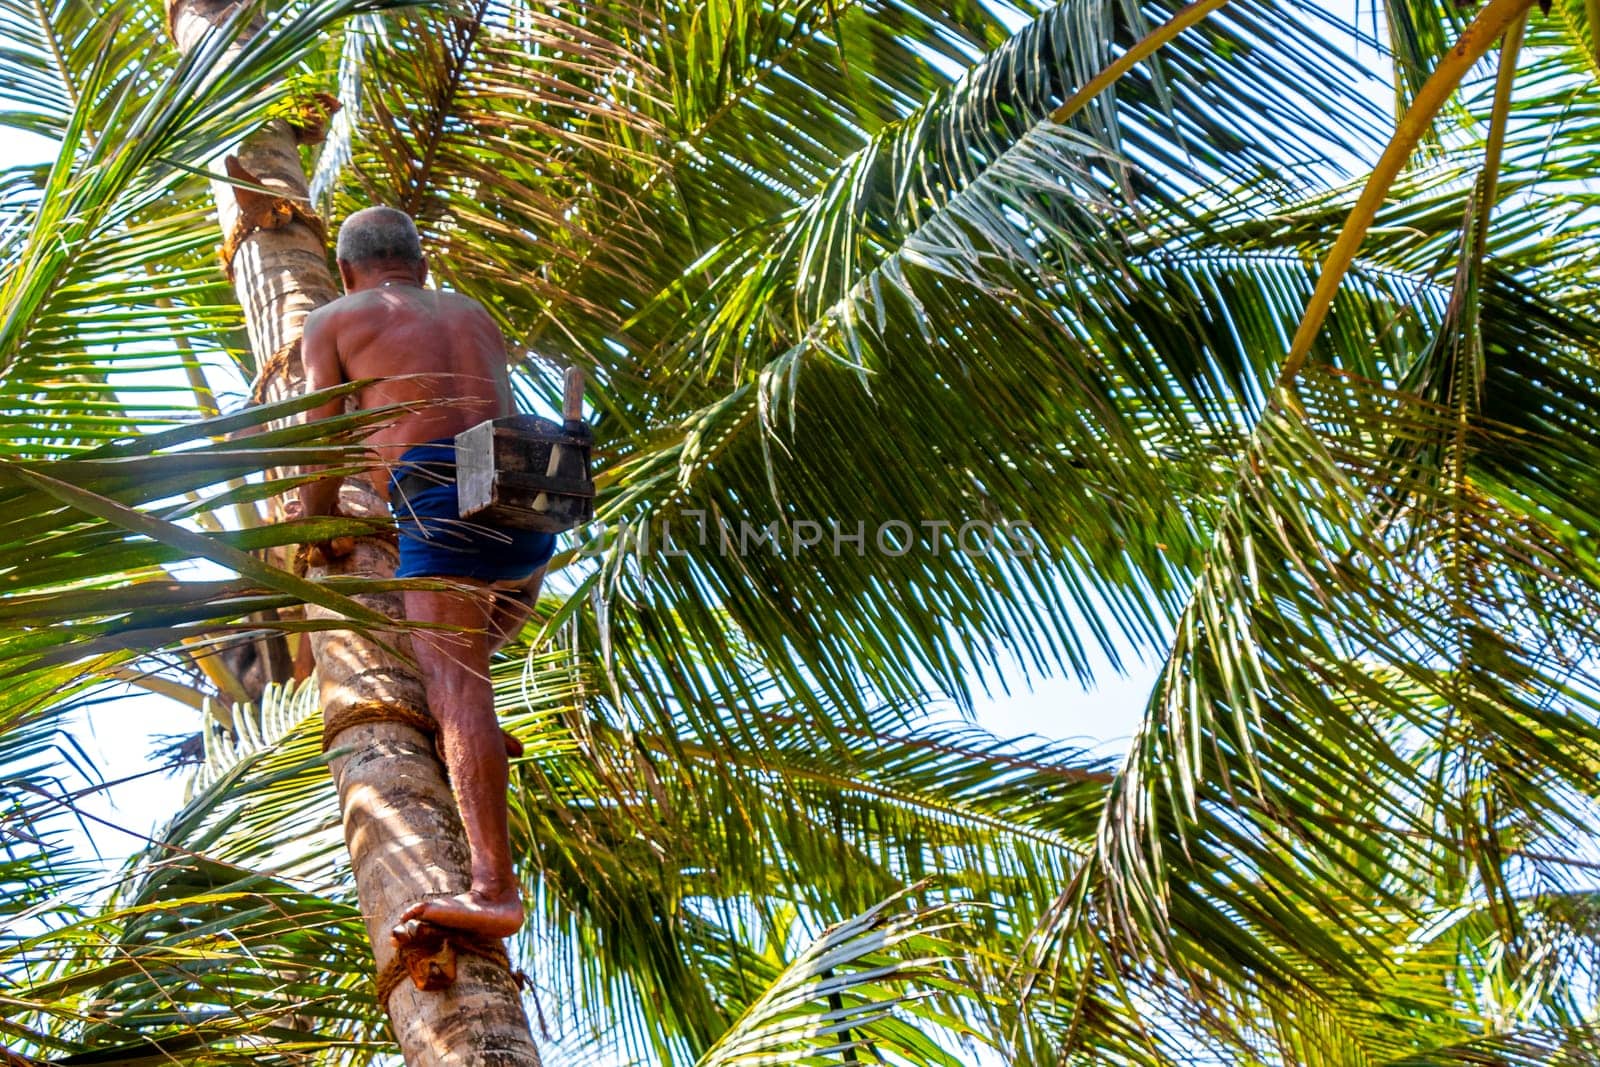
[(815, 1015)]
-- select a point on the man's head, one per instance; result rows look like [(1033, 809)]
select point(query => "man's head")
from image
[(379, 243)]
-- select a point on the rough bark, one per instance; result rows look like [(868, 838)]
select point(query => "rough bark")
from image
[(400, 820)]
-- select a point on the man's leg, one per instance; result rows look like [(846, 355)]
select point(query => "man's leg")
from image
[(513, 605), (455, 673)]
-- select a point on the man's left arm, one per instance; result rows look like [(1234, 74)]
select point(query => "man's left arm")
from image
[(320, 357)]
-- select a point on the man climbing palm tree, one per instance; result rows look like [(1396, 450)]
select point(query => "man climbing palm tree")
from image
[(442, 358)]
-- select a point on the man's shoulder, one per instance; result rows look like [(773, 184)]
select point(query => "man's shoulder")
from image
[(460, 302), (469, 313), (322, 318), (327, 328), (339, 305)]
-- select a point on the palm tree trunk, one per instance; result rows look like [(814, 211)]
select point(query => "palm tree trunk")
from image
[(400, 820)]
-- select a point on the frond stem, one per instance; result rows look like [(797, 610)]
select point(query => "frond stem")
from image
[(60, 60), (1492, 21), (1498, 120), (1071, 774), (466, 37), (1147, 46), (939, 809)]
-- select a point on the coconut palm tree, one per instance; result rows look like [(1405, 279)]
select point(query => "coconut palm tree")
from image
[(852, 263)]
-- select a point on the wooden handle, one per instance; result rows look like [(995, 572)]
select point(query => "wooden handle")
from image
[(572, 395)]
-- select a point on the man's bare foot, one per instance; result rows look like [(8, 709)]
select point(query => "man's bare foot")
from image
[(473, 913)]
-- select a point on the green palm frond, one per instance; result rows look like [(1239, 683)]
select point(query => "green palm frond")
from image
[(1418, 33), (640, 839), (88, 982), (1356, 707), (842, 998), (93, 537), (110, 280), (835, 261), (1524, 1048), (215, 961), (54, 53)]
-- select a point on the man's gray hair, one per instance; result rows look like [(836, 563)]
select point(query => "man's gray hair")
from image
[(379, 234)]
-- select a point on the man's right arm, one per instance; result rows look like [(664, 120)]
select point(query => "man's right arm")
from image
[(320, 357)]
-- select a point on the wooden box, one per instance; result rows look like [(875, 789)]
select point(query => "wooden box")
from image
[(525, 473)]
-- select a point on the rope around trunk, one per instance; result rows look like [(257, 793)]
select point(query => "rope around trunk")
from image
[(370, 711)]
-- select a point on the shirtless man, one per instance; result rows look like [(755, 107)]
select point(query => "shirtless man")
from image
[(384, 327)]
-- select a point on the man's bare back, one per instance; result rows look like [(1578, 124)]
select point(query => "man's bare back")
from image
[(397, 330), (443, 356)]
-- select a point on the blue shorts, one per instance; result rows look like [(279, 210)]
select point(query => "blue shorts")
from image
[(436, 542)]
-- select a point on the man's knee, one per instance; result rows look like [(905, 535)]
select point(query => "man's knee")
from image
[(511, 614), (513, 607)]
